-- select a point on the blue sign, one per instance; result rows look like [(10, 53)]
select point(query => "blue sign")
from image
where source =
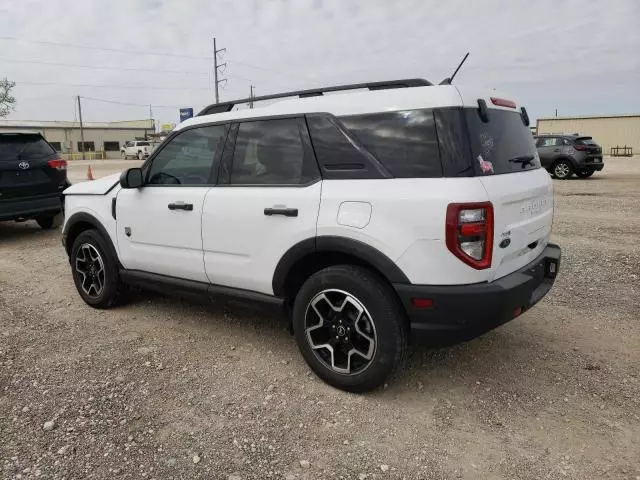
[(185, 114)]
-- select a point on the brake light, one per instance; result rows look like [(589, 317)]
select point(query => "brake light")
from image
[(580, 147), (503, 102), (469, 233), (58, 164)]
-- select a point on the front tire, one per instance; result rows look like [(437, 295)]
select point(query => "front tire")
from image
[(94, 270), (585, 173), (350, 328), (562, 170)]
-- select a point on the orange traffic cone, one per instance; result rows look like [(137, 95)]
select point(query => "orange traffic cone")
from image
[(90, 173)]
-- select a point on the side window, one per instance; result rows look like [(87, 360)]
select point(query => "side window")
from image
[(405, 142), (550, 142), (566, 142), (271, 152), (188, 159)]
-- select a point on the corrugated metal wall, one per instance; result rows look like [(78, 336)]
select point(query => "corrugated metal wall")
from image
[(606, 131)]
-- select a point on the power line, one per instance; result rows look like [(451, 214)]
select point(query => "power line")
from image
[(133, 87), (96, 67), (116, 102)]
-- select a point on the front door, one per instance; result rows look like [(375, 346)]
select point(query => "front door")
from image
[(267, 200), (548, 149), (159, 224)]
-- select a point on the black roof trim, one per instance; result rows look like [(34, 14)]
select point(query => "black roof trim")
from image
[(316, 92)]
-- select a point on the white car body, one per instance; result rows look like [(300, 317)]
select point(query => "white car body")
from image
[(136, 149)]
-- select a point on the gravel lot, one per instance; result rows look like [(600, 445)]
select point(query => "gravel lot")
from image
[(161, 388)]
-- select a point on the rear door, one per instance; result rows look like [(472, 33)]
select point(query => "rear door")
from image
[(521, 192), (267, 200), (29, 167)]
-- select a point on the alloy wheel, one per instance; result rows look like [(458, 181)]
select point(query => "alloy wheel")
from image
[(90, 267), (561, 170), (340, 331)]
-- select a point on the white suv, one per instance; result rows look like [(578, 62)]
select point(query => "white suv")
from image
[(136, 149), (372, 216)]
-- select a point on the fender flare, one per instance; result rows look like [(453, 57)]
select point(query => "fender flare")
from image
[(568, 158), (84, 217), (328, 244)]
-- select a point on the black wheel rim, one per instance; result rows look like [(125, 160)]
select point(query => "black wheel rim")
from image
[(340, 332), (90, 270)]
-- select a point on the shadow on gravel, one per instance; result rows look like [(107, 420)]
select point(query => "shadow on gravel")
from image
[(13, 232)]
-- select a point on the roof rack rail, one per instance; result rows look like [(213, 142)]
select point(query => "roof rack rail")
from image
[(316, 92)]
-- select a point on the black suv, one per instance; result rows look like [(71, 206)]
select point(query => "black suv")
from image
[(32, 178), (564, 155)]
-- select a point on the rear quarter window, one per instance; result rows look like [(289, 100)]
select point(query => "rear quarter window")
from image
[(405, 142)]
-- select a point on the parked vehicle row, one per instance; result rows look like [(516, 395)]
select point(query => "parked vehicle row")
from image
[(371, 218)]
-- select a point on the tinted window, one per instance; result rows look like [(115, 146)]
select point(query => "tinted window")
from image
[(454, 142), (585, 141), (111, 146), (188, 158), (404, 142), (338, 155), (271, 152), (143, 144), (502, 145), (24, 147), (57, 146)]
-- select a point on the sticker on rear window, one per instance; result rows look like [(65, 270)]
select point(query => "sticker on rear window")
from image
[(485, 166)]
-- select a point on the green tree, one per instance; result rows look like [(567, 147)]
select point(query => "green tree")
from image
[(7, 101)]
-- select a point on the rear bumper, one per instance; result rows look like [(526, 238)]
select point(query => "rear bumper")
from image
[(467, 311), (30, 207)]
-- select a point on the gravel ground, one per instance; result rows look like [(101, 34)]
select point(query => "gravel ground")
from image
[(161, 388)]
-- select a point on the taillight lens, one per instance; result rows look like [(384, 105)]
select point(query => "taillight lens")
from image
[(469, 233), (580, 147), (58, 164)]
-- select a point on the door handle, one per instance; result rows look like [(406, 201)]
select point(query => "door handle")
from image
[(287, 212), (181, 206)]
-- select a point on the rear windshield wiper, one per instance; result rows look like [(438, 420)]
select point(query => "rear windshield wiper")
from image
[(523, 159)]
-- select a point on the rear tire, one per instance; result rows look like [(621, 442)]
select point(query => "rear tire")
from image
[(48, 222), (585, 174), (94, 270), (350, 328), (562, 169)]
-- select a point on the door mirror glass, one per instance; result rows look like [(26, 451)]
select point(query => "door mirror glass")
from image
[(131, 178)]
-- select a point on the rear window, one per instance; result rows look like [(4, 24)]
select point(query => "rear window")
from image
[(585, 141), (502, 145), (405, 142), (23, 147)]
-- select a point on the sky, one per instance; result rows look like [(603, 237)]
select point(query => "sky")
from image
[(579, 57)]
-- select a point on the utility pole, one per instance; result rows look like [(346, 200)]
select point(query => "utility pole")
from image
[(153, 124), (81, 128), (556, 112), (216, 67), (251, 96)]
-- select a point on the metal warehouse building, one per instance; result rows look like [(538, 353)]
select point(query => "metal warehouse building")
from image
[(611, 132), (103, 138)]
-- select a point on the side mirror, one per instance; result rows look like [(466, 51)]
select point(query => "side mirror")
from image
[(131, 178)]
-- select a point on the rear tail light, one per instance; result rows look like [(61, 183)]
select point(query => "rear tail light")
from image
[(580, 147), (469, 233), (58, 164)]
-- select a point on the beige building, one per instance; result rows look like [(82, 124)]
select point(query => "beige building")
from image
[(107, 137), (608, 131)]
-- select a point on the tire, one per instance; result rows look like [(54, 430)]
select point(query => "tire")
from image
[(91, 246), (379, 336), (585, 173), (140, 156), (562, 169), (49, 222)]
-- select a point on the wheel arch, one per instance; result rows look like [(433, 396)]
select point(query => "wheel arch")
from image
[(572, 161), (81, 222), (313, 254)]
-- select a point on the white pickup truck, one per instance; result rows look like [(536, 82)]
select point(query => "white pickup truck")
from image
[(136, 149)]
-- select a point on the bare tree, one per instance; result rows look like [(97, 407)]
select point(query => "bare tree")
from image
[(7, 101)]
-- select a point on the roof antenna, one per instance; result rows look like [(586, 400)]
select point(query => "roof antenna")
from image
[(448, 80)]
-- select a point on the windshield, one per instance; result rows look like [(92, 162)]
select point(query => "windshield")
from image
[(143, 144), (502, 145), (21, 146)]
